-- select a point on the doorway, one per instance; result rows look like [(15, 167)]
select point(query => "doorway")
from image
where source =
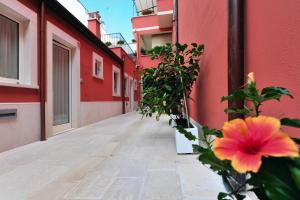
[(131, 98), (61, 88)]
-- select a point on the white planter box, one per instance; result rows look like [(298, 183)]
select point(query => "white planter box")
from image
[(183, 145)]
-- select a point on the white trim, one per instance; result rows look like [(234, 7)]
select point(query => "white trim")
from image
[(145, 28), (55, 33), (18, 85), (167, 12), (99, 58), (27, 20), (131, 92), (118, 93), (126, 83)]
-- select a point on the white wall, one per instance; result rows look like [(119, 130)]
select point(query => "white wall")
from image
[(161, 39), (92, 112), (77, 9), (23, 129)]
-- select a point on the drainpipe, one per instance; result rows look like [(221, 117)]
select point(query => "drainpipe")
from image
[(42, 70), (235, 52), (186, 105), (123, 85), (176, 21), (236, 62)]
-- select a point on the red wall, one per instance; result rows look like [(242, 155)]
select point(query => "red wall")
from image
[(92, 89), (272, 51), (205, 21), (129, 68)]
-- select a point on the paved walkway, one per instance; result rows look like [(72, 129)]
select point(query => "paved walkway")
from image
[(122, 158)]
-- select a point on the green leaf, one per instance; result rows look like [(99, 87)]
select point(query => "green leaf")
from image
[(275, 179), (275, 93), (237, 95), (208, 157), (243, 111), (224, 196), (290, 122), (295, 173), (186, 133)]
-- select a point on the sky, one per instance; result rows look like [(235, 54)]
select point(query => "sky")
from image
[(116, 15)]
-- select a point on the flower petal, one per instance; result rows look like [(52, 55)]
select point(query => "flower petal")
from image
[(262, 128), (280, 145), (236, 128), (225, 148), (243, 162)]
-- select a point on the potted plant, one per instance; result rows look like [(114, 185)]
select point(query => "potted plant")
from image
[(256, 147), (147, 12), (108, 44), (120, 42), (143, 51), (168, 86)]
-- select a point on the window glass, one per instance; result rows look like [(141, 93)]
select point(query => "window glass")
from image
[(9, 48), (115, 82), (97, 69)]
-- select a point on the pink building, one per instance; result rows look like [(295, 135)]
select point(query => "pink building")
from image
[(267, 37), (56, 74), (152, 27)]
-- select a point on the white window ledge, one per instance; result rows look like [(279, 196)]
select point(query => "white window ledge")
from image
[(18, 85)]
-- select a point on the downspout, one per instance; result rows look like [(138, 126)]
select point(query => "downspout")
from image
[(235, 52), (236, 62), (42, 70), (186, 106), (123, 85)]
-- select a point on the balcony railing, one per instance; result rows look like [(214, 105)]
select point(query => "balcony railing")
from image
[(117, 40)]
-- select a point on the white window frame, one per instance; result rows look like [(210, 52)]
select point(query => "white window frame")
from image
[(116, 70), (27, 20), (126, 85), (100, 59)]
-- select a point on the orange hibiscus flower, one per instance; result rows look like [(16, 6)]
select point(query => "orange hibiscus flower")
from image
[(246, 141)]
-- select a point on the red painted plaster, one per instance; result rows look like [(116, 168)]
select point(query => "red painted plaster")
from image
[(14, 94), (205, 22), (164, 5), (272, 51), (129, 68)]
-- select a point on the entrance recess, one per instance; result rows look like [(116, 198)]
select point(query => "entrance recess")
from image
[(61, 88)]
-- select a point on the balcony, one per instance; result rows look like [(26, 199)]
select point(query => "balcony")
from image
[(117, 40), (158, 15)]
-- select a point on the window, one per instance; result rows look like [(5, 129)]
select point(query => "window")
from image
[(9, 48), (97, 66), (116, 81), (126, 86), (18, 45)]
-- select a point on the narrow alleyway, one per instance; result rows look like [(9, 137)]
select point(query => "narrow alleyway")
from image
[(122, 158)]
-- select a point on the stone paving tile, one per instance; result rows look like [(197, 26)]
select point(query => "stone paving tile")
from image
[(121, 158)]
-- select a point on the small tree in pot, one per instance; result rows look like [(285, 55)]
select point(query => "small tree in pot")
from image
[(168, 86)]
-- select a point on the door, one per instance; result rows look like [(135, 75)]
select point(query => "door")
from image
[(131, 98), (61, 88)]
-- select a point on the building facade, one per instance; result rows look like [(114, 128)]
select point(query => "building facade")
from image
[(55, 73), (152, 27), (271, 41)]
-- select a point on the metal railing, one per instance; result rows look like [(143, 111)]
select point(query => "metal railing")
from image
[(113, 40)]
